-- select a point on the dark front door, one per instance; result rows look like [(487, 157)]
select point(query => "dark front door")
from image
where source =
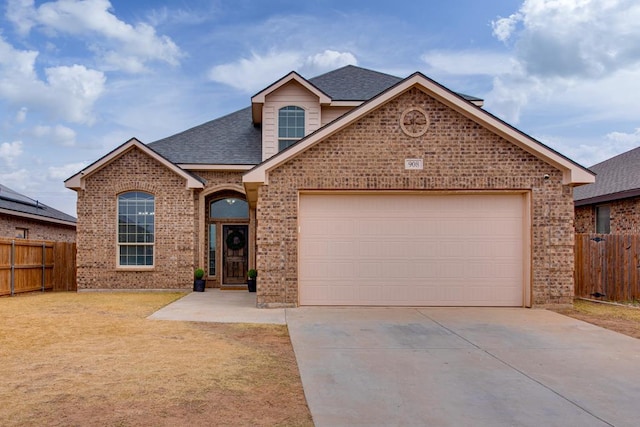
[(235, 254)]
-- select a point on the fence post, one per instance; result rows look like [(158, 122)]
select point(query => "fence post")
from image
[(44, 259), (13, 264)]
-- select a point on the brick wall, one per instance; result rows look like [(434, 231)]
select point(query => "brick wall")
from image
[(458, 155), (175, 236), (625, 217), (37, 230)]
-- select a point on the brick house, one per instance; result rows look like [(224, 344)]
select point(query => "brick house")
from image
[(24, 218), (612, 203), (350, 188)]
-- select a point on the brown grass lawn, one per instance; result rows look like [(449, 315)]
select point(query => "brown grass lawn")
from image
[(625, 320), (87, 359)]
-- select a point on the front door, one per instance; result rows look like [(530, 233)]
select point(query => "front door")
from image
[(235, 254)]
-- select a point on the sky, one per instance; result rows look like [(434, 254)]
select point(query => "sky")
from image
[(79, 78)]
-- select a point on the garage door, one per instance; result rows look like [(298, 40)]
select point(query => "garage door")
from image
[(411, 250)]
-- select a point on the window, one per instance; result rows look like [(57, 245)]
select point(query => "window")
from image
[(22, 233), (290, 126), (212, 249), (136, 229), (603, 219), (229, 208)]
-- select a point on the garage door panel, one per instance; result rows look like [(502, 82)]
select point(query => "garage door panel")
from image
[(411, 249)]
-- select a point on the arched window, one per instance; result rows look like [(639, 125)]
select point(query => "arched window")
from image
[(229, 208), (290, 126), (136, 229)]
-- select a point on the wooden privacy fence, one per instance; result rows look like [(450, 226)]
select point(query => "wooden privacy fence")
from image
[(28, 265), (608, 264)]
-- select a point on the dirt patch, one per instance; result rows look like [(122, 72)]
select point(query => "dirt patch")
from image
[(625, 320), (94, 359)]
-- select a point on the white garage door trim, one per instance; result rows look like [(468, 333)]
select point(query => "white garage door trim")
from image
[(438, 248)]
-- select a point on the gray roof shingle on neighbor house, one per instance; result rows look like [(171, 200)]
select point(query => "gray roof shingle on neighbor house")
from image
[(617, 178), (11, 200), (234, 140)]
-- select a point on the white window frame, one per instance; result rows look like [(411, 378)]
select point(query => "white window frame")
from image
[(285, 141), (150, 244)]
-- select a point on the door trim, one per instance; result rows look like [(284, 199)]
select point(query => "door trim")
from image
[(246, 256)]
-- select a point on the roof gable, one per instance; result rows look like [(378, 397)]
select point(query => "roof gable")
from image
[(258, 100), (77, 181), (573, 174)]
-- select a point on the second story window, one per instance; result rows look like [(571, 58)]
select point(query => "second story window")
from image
[(290, 126)]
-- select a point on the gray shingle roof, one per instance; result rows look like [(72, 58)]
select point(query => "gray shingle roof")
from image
[(353, 83), (617, 178), (13, 201), (234, 140), (229, 140)]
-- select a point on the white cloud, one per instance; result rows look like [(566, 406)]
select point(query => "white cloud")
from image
[(329, 60), (469, 63), (65, 171), (59, 135), (584, 38), (256, 72), (567, 45), (17, 180), (630, 139), (119, 45), (259, 71), (68, 92), (76, 88), (10, 151), (21, 115), (20, 12)]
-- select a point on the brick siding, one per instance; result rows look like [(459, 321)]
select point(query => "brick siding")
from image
[(37, 230), (624, 217), (177, 248), (175, 236), (458, 155)]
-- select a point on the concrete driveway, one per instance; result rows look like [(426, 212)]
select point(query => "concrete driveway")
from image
[(463, 367)]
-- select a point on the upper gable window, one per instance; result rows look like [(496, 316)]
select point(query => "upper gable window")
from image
[(136, 229), (290, 126)]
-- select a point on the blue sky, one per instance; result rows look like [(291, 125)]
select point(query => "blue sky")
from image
[(79, 78)]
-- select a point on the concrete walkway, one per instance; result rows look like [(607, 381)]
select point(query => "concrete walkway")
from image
[(215, 305), (445, 366)]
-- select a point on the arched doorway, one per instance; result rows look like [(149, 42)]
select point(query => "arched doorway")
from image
[(227, 239)]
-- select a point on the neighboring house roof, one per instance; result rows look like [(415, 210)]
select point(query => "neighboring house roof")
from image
[(617, 178), (16, 204), (77, 181), (573, 173)]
